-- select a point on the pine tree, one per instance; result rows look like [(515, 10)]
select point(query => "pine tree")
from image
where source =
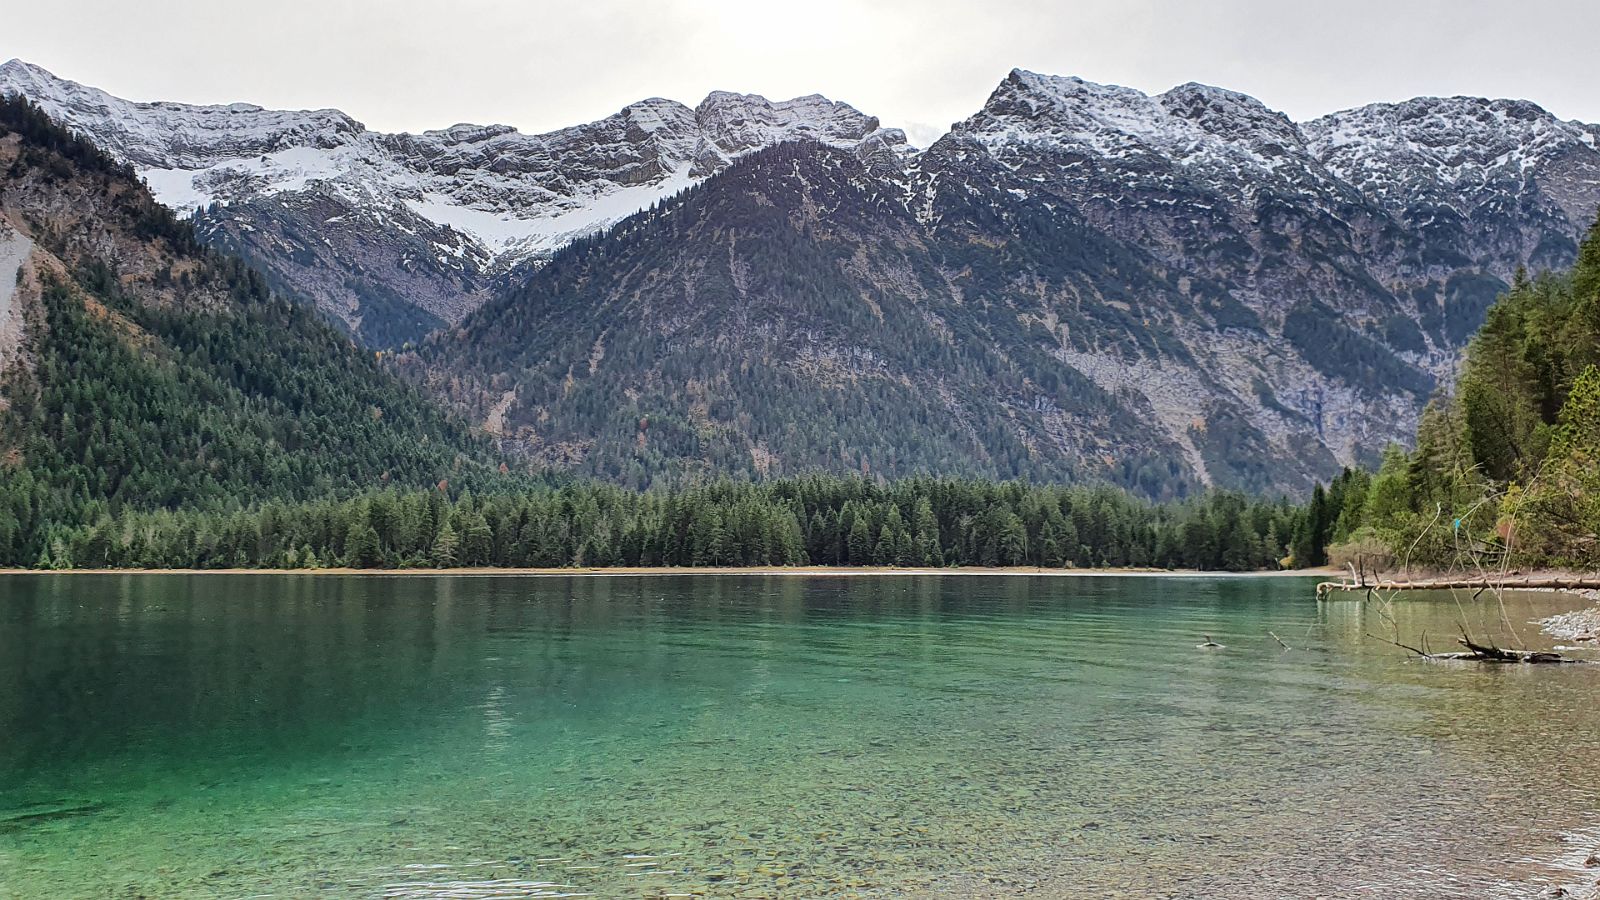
[(722, 543), (883, 552), (1311, 537), (445, 546), (860, 543), (361, 546), (1012, 541), (477, 540)]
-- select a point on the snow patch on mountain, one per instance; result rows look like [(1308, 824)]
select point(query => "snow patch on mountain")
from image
[(505, 235)]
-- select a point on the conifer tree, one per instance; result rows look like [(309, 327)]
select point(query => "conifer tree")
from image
[(860, 543), (446, 544)]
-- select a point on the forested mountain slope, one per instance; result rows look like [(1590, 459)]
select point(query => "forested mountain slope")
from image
[(143, 371), (1336, 301), (790, 315)]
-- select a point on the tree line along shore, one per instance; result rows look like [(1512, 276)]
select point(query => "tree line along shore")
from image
[(815, 521)]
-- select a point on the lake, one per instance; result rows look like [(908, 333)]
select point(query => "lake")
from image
[(400, 737)]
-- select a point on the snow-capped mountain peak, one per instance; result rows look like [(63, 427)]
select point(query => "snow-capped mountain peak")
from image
[(1466, 161), (515, 195), (365, 221), (1190, 123), (1451, 139), (469, 199), (1078, 139), (738, 123), (165, 135)]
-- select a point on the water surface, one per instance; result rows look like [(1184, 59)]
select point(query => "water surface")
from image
[(772, 736)]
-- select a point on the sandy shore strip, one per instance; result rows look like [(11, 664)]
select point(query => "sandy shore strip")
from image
[(647, 571)]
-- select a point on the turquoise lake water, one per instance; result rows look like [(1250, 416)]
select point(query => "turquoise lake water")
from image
[(399, 737)]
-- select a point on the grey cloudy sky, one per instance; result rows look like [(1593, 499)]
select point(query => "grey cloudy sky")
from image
[(409, 65)]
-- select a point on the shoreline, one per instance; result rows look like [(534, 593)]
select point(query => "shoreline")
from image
[(648, 571)]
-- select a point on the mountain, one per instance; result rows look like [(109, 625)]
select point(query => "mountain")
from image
[(396, 235), (141, 371), (1079, 281)]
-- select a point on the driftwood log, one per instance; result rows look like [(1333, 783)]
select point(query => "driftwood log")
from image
[(1461, 584)]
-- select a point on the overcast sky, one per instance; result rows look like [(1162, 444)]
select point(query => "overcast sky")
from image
[(918, 64)]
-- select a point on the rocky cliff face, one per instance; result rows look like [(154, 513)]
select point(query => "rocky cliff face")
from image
[(398, 234)]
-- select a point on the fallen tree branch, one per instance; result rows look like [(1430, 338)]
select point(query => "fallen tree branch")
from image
[(1476, 652), (1492, 653)]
